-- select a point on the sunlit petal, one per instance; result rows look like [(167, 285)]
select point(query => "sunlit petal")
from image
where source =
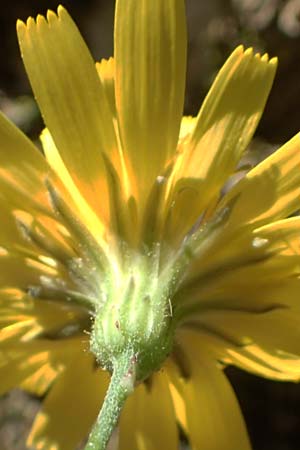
[(152, 36)]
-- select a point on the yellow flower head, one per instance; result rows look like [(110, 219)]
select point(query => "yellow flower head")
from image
[(122, 231)]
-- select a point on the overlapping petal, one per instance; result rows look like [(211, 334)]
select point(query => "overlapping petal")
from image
[(255, 252), (148, 418), (213, 416), (23, 170), (223, 129), (123, 167), (270, 191), (150, 58), (59, 425), (72, 101)]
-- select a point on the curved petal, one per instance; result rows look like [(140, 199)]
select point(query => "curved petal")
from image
[(91, 220), (106, 72), (214, 419), (20, 361), (224, 127), (72, 101), (68, 411), (22, 169), (271, 190), (41, 380), (148, 419), (150, 57), (23, 172), (25, 318), (252, 253), (14, 369), (272, 337), (251, 318), (21, 271)]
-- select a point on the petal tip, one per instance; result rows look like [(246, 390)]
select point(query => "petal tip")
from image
[(265, 57), (62, 12), (30, 22), (274, 61), (249, 51), (51, 16), (40, 20), (238, 51), (21, 27)]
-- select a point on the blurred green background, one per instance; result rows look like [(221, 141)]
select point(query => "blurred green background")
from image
[(271, 410)]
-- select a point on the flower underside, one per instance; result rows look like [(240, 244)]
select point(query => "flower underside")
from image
[(129, 247)]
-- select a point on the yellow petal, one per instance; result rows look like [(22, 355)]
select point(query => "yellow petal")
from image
[(25, 318), (72, 101), (91, 220), (40, 381), (19, 361), (150, 57), (15, 369), (69, 411), (224, 127), (214, 419), (250, 357), (246, 250), (177, 393), (148, 420), (187, 127), (271, 340), (22, 169), (20, 271), (106, 72), (270, 191)]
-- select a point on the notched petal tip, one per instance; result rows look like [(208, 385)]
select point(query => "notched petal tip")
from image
[(40, 21), (30, 23), (265, 58), (248, 51), (274, 61), (20, 26), (62, 12), (51, 16), (239, 49)]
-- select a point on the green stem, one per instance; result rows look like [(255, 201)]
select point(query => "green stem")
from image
[(121, 386)]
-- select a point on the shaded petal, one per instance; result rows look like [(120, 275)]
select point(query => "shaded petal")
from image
[(252, 253), (19, 361), (150, 57), (272, 338), (224, 127), (21, 271), (71, 406), (25, 318), (72, 101), (41, 380), (229, 350), (22, 169), (214, 419), (251, 316), (271, 190), (148, 419), (14, 369), (106, 72), (91, 220), (27, 233)]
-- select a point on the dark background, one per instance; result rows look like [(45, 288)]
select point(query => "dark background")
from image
[(272, 410)]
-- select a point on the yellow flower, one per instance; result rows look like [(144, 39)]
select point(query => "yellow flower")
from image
[(123, 231)]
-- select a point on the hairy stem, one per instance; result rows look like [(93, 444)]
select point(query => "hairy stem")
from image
[(121, 386)]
